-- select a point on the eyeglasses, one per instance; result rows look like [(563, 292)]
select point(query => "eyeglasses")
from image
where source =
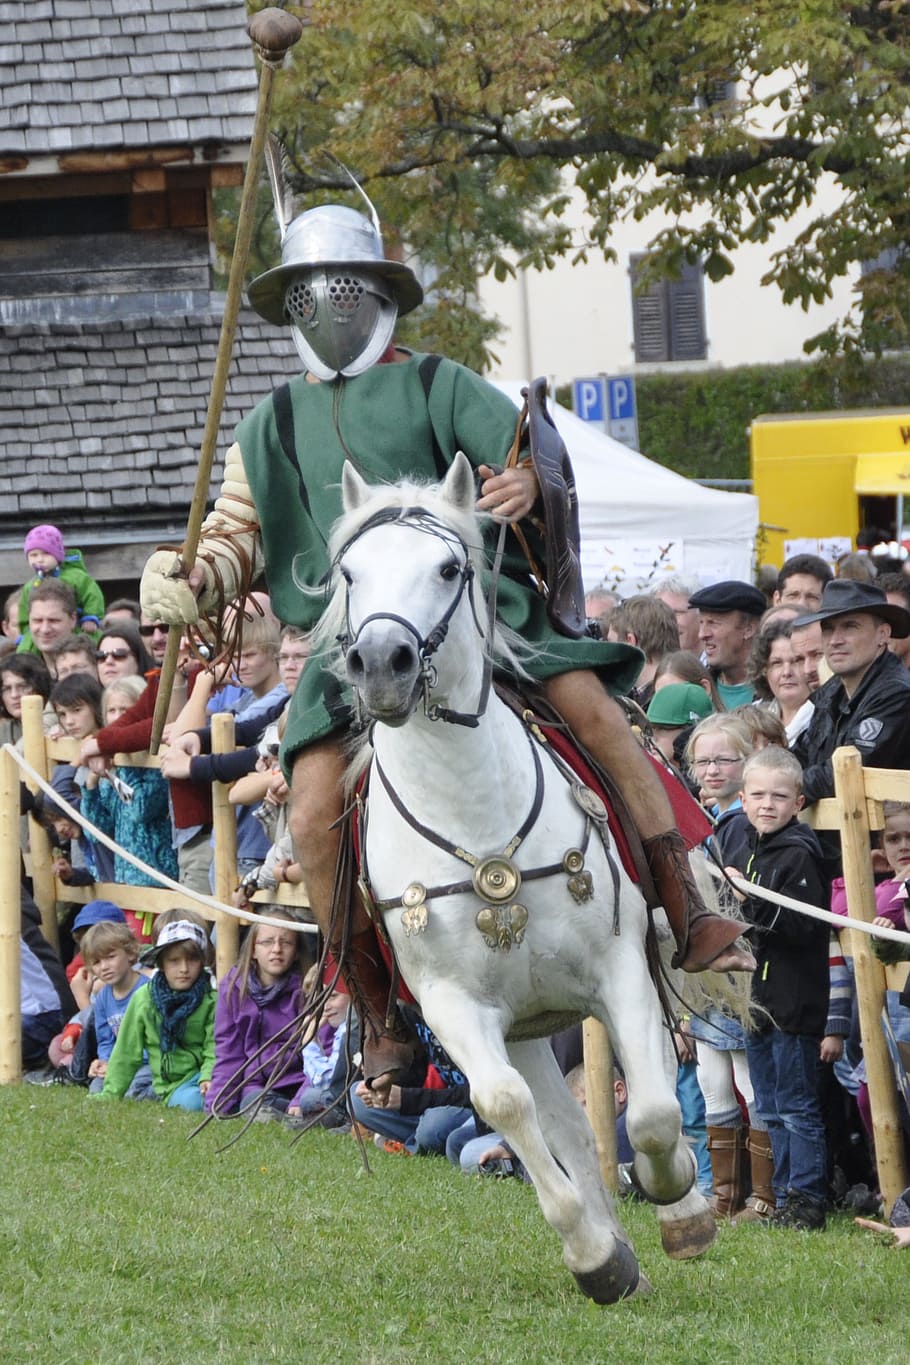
[(159, 628), (275, 943), (725, 761), (15, 690), (118, 654)]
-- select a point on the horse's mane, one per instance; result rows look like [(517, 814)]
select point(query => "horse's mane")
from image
[(506, 647)]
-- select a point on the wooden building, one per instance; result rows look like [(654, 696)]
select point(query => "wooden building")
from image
[(118, 120)]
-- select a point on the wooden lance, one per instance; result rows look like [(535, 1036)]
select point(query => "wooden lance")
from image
[(273, 32)]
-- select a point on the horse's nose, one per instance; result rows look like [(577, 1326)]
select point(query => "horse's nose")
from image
[(400, 660)]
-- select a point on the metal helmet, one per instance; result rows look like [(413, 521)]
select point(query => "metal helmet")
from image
[(337, 289)]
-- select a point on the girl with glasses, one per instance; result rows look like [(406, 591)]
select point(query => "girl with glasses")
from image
[(716, 753), (258, 1000)]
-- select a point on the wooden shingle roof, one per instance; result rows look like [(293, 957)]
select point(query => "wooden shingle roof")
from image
[(115, 411), (96, 74)]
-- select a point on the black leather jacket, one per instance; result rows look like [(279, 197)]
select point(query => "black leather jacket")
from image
[(876, 720)]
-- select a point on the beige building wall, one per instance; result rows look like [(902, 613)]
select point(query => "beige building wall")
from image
[(575, 321)]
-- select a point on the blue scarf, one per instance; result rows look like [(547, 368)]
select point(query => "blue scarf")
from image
[(175, 1007)]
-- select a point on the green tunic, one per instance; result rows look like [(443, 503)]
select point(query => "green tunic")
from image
[(393, 430)]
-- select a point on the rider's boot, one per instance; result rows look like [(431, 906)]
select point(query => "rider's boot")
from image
[(703, 940), (390, 1050)]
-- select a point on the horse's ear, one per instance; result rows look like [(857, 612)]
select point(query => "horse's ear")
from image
[(458, 487), (354, 489)]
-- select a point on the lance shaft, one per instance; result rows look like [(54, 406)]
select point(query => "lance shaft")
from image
[(273, 32)]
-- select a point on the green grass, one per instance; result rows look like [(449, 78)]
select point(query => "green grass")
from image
[(121, 1241)]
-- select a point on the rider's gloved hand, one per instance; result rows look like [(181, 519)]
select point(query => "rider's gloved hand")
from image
[(166, 597)]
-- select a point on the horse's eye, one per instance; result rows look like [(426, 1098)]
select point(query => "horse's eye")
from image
[(448, 572), (345, 574)]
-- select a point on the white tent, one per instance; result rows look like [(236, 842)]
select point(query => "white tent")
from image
[(640, 521)]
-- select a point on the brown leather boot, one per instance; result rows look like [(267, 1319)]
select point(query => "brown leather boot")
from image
[(726, 1147), (388, 1046), (761, 1202), (703, 939)]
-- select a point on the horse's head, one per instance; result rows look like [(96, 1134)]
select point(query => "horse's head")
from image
[(407, 570)]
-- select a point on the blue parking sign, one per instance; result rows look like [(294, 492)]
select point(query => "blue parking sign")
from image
[(589, 399), (621, 398)]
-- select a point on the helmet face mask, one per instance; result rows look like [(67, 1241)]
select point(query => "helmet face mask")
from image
[(342, 320), (338, 291)]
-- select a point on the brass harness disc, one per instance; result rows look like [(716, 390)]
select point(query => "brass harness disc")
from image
[(496, 879)]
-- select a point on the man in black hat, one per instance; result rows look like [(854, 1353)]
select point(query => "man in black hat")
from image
[(728, 618), (867, 701)]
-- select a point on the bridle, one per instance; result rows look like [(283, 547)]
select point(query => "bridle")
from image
[(427, 645)]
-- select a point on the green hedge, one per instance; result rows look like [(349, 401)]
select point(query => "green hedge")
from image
[(698, 424)]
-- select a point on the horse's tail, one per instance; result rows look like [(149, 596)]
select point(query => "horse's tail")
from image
[(730, 992)]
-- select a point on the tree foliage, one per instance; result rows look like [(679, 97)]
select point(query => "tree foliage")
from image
[(470, 123)]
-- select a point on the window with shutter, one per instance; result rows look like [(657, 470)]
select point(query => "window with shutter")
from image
[(668, 318)]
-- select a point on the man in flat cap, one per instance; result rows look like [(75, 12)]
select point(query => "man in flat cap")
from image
[(867, 701), (728, 619)]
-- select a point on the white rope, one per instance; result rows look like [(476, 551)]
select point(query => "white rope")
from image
[(838, 921), (210, 902), (748, 888)]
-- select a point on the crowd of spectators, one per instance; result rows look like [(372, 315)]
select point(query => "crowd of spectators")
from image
[(744, 696)]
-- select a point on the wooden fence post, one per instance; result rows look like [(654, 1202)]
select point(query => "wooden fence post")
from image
[(10, 924), (44, 888), (224, 822), (599, 1098), (870, 975)]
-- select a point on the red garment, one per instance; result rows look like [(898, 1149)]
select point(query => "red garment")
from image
[(132, 733), (74, 966)]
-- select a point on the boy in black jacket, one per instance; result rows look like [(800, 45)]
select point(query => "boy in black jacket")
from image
[(790, 984)]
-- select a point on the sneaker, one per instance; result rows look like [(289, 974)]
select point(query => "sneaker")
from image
[(860, 1199), (268, 1113), (50, 1075), (799, 1212)]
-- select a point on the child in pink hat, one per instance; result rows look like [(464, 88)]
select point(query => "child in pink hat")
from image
[(48, 557)]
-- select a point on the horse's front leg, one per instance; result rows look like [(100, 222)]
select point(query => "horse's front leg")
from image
[(604, 1265), (570, 1139)]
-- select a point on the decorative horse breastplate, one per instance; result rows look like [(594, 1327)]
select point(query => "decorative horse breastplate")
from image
[(496, 880)]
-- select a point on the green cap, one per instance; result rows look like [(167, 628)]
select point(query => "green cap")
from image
[(679, 704)]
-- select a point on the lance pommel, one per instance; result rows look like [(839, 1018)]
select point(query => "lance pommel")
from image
[(274, 32)]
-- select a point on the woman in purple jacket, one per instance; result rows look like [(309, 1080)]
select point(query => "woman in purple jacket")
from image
[(257, 1053)]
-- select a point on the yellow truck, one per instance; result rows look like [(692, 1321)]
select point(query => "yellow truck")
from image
[(821, 476)]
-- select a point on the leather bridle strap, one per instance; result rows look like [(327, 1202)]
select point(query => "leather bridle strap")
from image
[(427, 647), (445, 844)]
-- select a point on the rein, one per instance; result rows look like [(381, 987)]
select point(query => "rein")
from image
[(424, 521)]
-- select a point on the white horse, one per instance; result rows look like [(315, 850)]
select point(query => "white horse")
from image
[(496, 879)]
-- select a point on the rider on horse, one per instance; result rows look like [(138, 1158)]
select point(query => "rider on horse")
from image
[(395, 414)]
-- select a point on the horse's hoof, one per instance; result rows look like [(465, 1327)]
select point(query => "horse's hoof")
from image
[(684, 1238), (643, 1289), (616, 1279)]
